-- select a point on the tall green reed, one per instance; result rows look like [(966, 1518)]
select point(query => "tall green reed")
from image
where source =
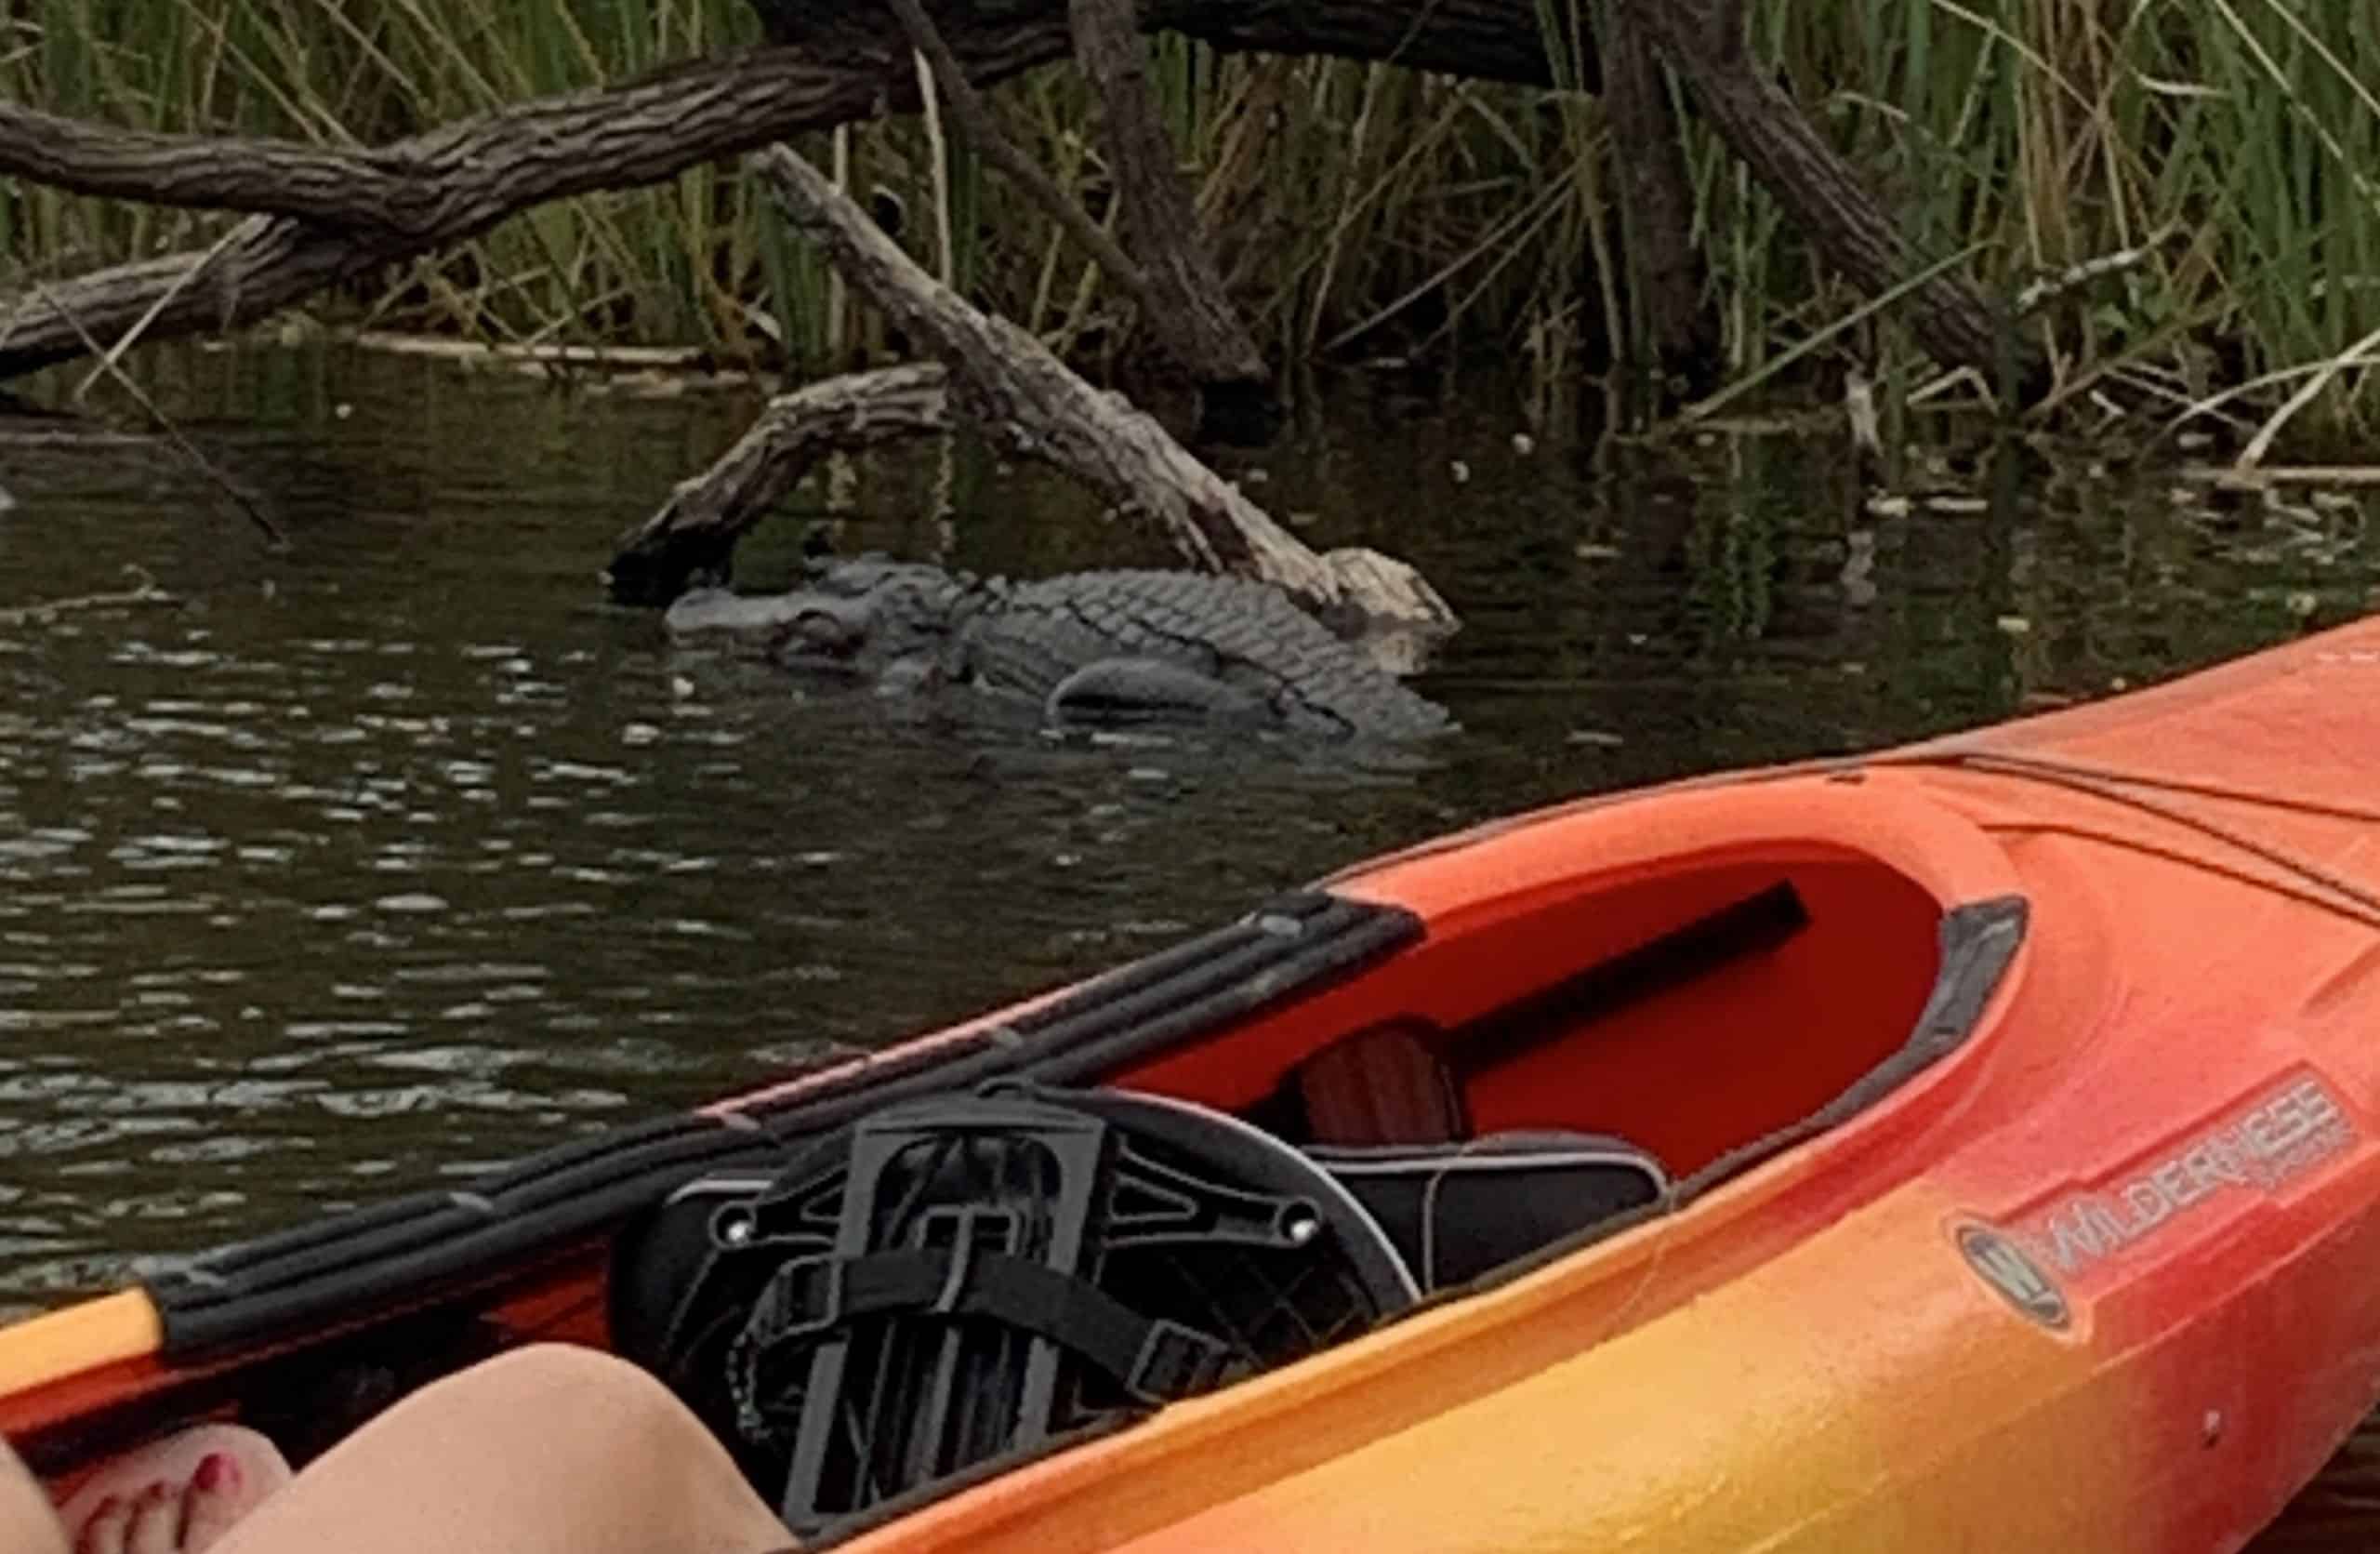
[(2231, 148)]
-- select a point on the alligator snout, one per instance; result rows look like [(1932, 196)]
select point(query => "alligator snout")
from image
[(801, 625)]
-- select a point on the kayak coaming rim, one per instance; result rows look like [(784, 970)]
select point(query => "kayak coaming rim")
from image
[(1885, 816), (1707, 1223), (1893, 823)]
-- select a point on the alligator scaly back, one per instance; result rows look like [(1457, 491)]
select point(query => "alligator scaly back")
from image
[(1247, 635)]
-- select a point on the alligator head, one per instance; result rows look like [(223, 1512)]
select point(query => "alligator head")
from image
[(863, 611), (874, 608)]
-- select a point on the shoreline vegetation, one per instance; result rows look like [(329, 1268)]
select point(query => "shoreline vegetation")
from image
[(2181, 205)]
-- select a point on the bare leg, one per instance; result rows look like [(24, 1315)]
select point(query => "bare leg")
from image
[(26, 1521), (549, 1448)]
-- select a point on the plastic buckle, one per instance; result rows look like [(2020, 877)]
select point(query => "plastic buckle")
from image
[(1174, 1361), (808, 1296)]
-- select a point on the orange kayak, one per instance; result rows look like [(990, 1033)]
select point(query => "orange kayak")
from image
[(1970, 1146)]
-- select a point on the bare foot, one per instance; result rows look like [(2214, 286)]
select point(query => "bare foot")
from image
[(177, 1496)]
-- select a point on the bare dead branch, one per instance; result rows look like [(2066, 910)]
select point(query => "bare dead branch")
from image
[(338, 189), (1657, 212), (1010, 385), (174, 434), (694, 533)]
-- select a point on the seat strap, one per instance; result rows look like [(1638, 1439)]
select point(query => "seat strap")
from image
[(1156, 1359)]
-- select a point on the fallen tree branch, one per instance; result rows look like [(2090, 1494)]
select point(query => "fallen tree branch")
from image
[(370, 191), (494, 164), (1006, 381), (365, 210), (1679, 334), (646, 130), (1187, 308), (1821, 193), (694, 536)]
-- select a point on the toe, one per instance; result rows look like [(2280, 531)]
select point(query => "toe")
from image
[(102, 1532), (212, 1503), (156, 1525)]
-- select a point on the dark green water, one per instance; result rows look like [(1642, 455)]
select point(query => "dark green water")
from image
[(401, 851)]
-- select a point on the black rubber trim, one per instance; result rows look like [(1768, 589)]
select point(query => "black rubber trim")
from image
[(402, 1253)]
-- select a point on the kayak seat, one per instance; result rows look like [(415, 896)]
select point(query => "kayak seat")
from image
[(968, 1277), (1386, 1085), (1458, 1211)]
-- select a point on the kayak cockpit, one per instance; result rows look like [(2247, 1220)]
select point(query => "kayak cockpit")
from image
[(958, 1281), (1693, 1014), (1702, 1011)]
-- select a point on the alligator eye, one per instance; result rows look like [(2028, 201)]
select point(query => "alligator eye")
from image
[(820, 631)]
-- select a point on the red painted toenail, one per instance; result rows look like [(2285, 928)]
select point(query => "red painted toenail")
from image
[(217, 1471)]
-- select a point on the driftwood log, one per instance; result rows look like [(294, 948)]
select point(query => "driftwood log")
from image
[(1009, 386), (323, 215)]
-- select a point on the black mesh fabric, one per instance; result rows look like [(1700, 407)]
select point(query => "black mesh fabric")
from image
[(1459, 1211)]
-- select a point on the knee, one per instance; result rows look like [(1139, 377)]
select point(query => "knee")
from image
[(566, 1367), (566, 1388)]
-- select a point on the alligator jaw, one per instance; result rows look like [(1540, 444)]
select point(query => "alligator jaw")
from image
[(804, 625)]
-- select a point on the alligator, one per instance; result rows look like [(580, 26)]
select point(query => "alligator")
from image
[(1090, 647)]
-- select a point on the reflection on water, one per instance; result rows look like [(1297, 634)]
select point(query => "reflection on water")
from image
[(401, 851)]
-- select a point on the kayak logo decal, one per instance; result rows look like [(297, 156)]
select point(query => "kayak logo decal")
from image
[(2254, 1148), (2019, 1280)]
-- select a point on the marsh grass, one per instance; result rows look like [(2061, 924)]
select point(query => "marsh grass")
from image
[(2232, 146)]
